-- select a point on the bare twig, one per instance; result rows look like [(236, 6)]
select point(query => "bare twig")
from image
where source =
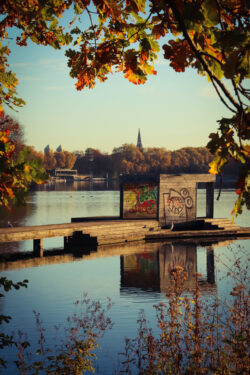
[(92, 25)]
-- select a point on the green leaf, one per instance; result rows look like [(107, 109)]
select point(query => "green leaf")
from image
[(154, 44), (216, 68), (230, 39), (244, 66), (145, 44), (211, 12), (192, 16), (78, 9), (241, 158), (230, 67)]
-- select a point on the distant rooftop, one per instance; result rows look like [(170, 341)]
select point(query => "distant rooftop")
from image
[(59, 148), (47, 149)]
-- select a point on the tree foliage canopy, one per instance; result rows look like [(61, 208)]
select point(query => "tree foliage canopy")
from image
[(62, 159), (129, 159), (211, 36), (17, 175), (16, 132)]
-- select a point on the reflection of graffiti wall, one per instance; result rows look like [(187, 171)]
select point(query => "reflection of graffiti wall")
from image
[(152, 271), (185, 255), (171, 256), (140, 200), (140, 270), (177, 203)]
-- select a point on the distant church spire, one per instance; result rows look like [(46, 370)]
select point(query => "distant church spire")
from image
[(139, 144)]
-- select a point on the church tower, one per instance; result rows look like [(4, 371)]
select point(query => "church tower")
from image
[(139, 144)]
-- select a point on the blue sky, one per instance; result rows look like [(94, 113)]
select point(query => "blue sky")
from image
[(172, 110)]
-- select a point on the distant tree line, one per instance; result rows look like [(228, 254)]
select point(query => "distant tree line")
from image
[(50, 159), (129, 159), (58, 159), (126, 159)]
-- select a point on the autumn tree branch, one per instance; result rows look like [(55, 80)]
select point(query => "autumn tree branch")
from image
[(92, 25), (197, 53)]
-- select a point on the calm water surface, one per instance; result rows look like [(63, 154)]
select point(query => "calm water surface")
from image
[(134, 276)]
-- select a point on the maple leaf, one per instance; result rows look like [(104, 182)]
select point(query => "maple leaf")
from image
[(86, 78), (136, 5), (106, 53), (159, 30), (109, 8), (179, 53)]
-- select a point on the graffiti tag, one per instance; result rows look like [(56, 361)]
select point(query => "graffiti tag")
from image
[(176, 203)]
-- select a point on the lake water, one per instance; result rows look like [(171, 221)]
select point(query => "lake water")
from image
[(134, 276)]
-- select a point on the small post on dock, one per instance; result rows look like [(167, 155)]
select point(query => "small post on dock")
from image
[(38, 247)]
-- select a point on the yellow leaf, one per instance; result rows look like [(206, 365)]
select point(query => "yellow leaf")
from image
[(213, 168), (216, 164), (79, 39)]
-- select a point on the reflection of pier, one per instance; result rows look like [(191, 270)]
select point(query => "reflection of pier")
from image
[(26, 259), (152, 271), (151, 251)]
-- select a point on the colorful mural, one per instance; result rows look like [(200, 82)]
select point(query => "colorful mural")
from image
[(177, 203), (140, 200)]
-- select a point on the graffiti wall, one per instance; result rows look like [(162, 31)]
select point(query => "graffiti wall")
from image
[(140, 200), (177, 204)]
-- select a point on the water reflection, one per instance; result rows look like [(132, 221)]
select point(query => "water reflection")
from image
[(55, 207), (152, 271), (140, 271), (79, 186), (17, 218), (146, 266), (133, 275), (19, 260)]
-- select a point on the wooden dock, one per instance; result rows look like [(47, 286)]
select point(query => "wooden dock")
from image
[(89, 232), (94, 231), (201, 228)]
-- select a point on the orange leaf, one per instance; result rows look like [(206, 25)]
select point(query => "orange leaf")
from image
[(1, 112), (144, 56)]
